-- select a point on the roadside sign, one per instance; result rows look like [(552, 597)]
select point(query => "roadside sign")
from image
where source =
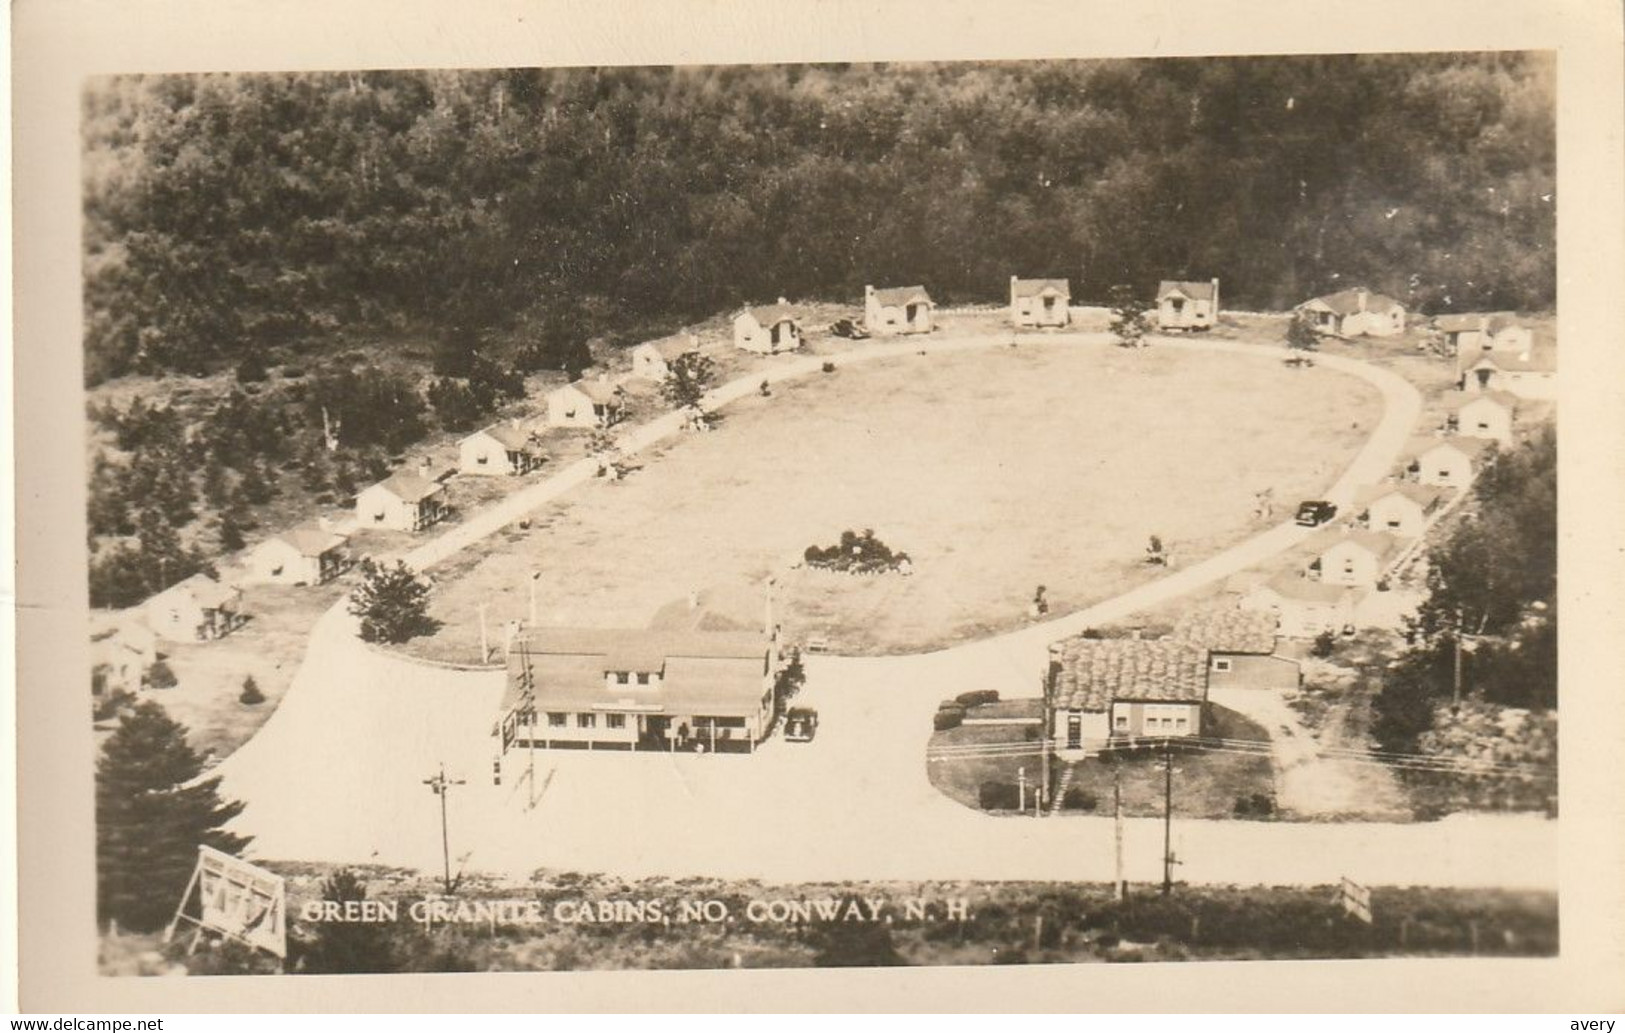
[(236, 899), (1355, 899)]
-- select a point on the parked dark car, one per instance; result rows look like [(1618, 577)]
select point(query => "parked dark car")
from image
[(849, 329), (800, 724), (1316, 512)]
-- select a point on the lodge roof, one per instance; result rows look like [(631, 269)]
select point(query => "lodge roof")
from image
[(1424, 495), (1379, 544), (515, 439), (1292, 586), (410, 487), (204, 590), (721, 671)]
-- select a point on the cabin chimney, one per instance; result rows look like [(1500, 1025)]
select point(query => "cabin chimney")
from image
[(425, 468), (1362, 296), (693, 599), (783, 300), (1215, 297)]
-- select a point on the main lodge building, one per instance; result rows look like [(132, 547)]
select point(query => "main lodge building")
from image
[(639, 689)]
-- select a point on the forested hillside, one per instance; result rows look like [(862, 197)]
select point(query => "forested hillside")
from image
[(228, 215)]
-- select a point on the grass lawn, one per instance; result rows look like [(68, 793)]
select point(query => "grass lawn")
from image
[(270, 647), (961, 777), (1205, 784), (976, 464)]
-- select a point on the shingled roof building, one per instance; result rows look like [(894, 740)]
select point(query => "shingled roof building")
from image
[(310, 554), (1240, 648), (1100, 689), (638, 689)]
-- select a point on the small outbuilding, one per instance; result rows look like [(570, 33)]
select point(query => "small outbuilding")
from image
[(1187, 304), (121, 654), (1356, 312), (1450, 462), (197, 609), (1040, 302), (897, 310), (768, 329), (310, 554), (586, 404), (1304, 608), (1354, 558), (1474, 334), (1526, 374), (500, 450), (1402, 509), (404, 502), (652, 360), (1489, 415)]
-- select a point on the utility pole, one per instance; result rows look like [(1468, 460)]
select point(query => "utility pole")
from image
[(485, 646), (1120, 887), (1167, 818), (440, 785), (1455, 684), (1021, 790), (535, 576)]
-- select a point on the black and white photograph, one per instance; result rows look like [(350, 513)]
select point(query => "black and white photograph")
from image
[(726, 515)]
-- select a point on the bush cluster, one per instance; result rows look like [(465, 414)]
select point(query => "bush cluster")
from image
[(856, 554), (999, 796), (977, 697)]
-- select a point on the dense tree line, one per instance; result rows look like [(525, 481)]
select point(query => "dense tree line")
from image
[(1492, 586), (230, 215)]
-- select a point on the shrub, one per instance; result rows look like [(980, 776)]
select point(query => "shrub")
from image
[(977, 697), (944, 720), (1325, 642), (292, 372), (251, 694), (161, 677), (829, 367), (1076, 798), (1258, 805), (251, 369), (999, 796)]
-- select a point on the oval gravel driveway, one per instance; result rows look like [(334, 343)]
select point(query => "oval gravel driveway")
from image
[(336, 774)]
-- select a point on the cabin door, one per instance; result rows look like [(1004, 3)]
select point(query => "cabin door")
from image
[(1074, 731)]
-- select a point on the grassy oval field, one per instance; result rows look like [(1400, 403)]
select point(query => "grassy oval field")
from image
[(996, 471)]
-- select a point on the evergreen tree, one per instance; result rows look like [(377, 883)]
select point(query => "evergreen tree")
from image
[(1300, 333), (1129, 322), (392, 602), (348, 947), (151, 817)]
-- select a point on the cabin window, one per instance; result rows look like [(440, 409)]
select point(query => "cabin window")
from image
[(1121, 720), (1348, 566), (378, 517), (481, 460), (1393, 523), (276, 571), (615, 720), (586, 720), (1221, 663), (643, 677), (557, 720), (622, 678), (1182, 723)]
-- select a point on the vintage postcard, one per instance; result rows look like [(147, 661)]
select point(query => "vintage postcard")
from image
[(569, 510)]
